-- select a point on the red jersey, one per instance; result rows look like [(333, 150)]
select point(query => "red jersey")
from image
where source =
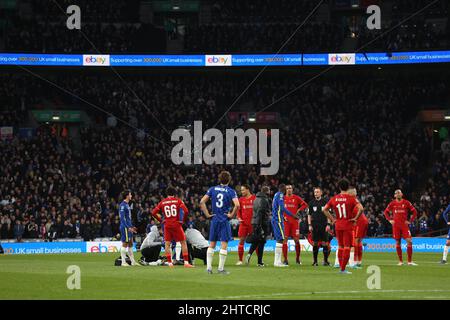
[(343, 206), (245, 211), (362, 218), (170, 208), (400, 210), (293, 203)]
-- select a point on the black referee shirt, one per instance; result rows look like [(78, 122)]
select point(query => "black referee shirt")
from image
[(315, 210)]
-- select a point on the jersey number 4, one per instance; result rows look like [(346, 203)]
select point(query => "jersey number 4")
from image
[(342, 211), (170, 211)]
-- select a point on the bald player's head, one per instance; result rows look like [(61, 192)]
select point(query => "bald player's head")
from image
[(352, 191), (398, 194)]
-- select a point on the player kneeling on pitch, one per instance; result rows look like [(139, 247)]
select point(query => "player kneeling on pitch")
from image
[(151, 247), (197, 245)]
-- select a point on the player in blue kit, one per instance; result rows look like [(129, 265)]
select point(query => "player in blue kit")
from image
[(446, 217), (126, 230), (278, 209), (222, 197)]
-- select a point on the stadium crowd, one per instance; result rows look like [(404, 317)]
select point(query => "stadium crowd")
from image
[(57, 187), (234, 27)]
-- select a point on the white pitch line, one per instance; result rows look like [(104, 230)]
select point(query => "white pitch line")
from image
[(284, 294)]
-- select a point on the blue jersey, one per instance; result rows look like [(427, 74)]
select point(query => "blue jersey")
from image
[(125, 215), (446, 213), (221, 200), (278, 208)]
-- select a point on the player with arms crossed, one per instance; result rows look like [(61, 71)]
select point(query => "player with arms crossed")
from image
[(344, 205), (126, 230), (173, 229), (446, 217), (244, 214), (278, 211), (295, 205), (222, 197), (400, 208)]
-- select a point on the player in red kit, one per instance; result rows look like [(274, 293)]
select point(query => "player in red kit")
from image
[(244, 215), (344, 205), (294, 204), (173, 229), (359, 233), (397, 213)]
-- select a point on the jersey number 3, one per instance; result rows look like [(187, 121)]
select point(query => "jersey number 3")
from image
[(219, 202)]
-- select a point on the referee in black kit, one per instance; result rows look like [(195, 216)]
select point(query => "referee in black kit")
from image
[(319, 226)]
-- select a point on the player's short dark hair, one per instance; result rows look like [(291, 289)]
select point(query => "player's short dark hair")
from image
[(317, 188), (126, 193), (246, 186), (171, 191), (224, 177), (282, 187), (343, 184)]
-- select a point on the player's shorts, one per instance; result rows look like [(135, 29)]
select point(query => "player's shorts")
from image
[(360, 230), (401, 231), (125, 235), (319, 233), (174, 233), (220, 231), (344, 238), (278, 230), (292, 229), (245, 230)]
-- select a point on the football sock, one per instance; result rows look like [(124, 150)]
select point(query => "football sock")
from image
[(252, 249), (409, 250), (315, 252), (209, 258), (123, 255), (297, 251), (169, 256), (260, 252), (341, 257), (360, 252), (444, 256), (131, 255), (351, 260), (186, 257), (241, 251), (399, 253), (337, 257), (178, 251), (355, 254), (325, 253), (222, 258), (278, 252), (285, 251), (345, 258)]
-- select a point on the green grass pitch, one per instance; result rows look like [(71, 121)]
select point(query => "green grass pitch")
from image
[(45, 277)]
